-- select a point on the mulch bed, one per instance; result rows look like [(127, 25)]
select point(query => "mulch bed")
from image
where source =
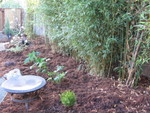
[(94, 95)]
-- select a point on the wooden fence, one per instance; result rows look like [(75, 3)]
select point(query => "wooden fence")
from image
[(14, 16), (1, 19)]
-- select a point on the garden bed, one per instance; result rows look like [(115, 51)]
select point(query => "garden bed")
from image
[(94, 95)]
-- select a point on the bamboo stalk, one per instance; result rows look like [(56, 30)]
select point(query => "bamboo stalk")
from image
[(132, 68)]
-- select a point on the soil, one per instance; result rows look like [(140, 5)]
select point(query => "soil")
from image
[(94, 94)]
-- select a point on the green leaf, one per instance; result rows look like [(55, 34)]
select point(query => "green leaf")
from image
[(50, 78), (59, 68), (27, 60)]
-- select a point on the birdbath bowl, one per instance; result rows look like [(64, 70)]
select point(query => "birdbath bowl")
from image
[(23, 84)]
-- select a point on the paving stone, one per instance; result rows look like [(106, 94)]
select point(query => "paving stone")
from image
[(2, 47), (3, 38), (2, 92)]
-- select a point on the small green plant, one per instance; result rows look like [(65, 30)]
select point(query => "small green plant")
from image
[(32, 57), (68, 98), (16, 49), (59, 68), (38, 62), (57, 76), (41, 64)]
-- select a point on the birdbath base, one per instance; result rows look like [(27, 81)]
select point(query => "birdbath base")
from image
[(25, 98), (26, 86)]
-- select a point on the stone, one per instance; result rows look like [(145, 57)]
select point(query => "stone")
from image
[(9, 63), (3, 38), (13, 74), (2, 92)]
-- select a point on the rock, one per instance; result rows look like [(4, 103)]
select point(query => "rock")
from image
[(2, 92), (9, 63), (13, 73), (3, 38), (2, 47)]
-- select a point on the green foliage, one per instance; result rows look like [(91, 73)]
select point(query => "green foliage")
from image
[(32, 5), (7, 30), (105, 34), (68, 98), (57, 76), (9, 4), (16, 49), (137, 42), (93, 29), (37, 62), (41, 63), (59, 68), (32, 57)]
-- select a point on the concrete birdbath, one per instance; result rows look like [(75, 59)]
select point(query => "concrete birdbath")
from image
[(23, 84)]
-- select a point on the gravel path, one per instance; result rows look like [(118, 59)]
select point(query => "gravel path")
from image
[(2, 92), (2, 47)]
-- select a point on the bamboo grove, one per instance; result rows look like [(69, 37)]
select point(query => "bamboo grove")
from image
[(111, 36)]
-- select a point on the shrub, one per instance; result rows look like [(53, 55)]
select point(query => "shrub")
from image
[(68, 98), (91, 28), (104, 33), (7, 30)]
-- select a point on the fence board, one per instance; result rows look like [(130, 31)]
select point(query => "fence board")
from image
[(1, 22), (14, 16)]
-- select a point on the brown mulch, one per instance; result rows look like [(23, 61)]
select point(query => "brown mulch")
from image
[(94, 95)]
